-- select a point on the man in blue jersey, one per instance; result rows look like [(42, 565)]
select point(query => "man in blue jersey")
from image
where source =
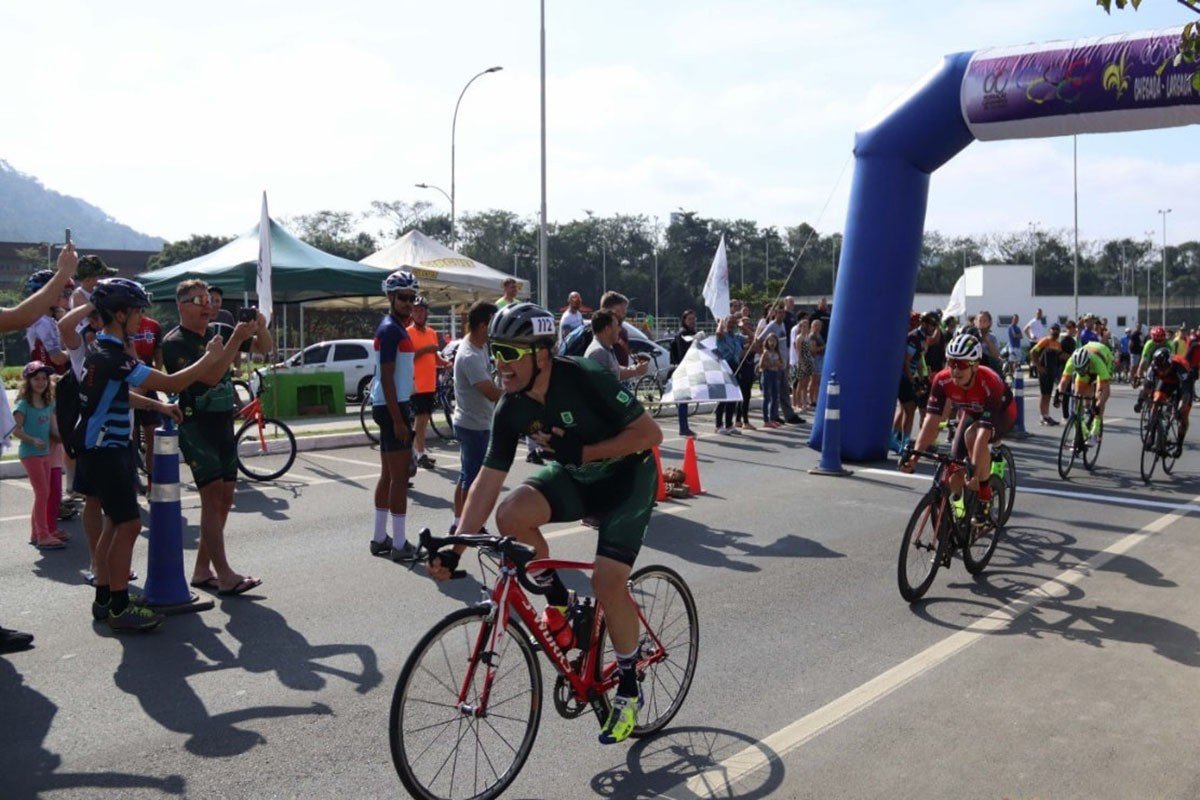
[(390, 396)]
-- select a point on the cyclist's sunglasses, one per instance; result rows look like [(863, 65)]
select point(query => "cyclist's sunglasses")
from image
[(196, 300), (408, 297), (508, 352), (960, 363)]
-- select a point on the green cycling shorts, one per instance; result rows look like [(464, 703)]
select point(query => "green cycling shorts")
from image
[(621, 502), (209, 447)]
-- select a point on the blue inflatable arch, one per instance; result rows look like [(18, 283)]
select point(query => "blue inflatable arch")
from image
[(1116, 83)]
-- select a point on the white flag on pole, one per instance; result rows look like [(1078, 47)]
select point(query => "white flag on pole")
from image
[(716, 285), (957, 306), (263, 286), (702, 375)]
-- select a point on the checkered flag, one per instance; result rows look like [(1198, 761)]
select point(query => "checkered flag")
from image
[(702, 376)]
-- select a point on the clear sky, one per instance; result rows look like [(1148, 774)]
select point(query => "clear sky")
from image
[(173, 117)]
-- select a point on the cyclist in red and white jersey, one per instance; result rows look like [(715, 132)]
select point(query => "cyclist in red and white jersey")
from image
[(979, 391)]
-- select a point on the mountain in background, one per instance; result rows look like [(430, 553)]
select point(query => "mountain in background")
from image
[(29, 212)]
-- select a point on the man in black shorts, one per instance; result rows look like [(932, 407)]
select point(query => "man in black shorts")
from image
[(106, 455), (599, 440), (206, 435)]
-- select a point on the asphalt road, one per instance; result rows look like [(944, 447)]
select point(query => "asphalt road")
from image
[(1063, 671)]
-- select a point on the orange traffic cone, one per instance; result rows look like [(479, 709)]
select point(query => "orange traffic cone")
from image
[(691, 468), (662, 484)]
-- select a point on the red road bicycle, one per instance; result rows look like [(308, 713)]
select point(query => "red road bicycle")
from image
[(266, 447), (468, 702)]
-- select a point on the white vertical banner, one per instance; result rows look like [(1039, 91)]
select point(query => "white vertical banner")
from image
[(716, 285), (957, 306), (263, 286)]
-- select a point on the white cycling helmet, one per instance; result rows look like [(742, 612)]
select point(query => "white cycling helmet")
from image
[(964, 346), (399, 280), (1082, 359)]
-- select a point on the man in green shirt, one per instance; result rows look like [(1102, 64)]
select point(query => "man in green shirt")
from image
[(599, 440), (206, 435), (510, 293)]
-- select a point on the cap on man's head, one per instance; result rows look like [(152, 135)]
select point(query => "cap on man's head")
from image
[(1056, 327), (92, 266)]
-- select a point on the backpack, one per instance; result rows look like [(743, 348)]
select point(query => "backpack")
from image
[(576, 343), (68, 408)]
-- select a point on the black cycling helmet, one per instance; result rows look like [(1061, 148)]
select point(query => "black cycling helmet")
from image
[(971, 330), (932, 317), (523, 323), (1161, 359), (37, 280), (118, 294)]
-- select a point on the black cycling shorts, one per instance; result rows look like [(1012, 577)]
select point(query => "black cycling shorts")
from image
[(388, 440), (906, 394), (110, 477), (422, 403)]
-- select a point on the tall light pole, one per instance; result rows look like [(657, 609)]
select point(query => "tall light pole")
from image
[(543, 243), (767, 256), (603, 270), (1164, 213), (453, 131), (1075, 151), (1034, 248), (443, 191), (656, 323)]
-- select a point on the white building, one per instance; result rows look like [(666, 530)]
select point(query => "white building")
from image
[(1007, 289)]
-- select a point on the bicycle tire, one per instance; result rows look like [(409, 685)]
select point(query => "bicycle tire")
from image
[(1010, 480), (978, 550), (437, 676), (1091, 452), (139, 451), (367, 421), (1170, 435), (649, 393), (242, 395), (444, 411), (650, 586), (1144, 422), (922, 547), (1150, 448), (1068, 448), (257, 464)]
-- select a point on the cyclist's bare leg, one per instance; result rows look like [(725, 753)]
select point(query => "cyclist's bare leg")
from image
[(420, 423), (522, 514), (609, 580), (391, 490)]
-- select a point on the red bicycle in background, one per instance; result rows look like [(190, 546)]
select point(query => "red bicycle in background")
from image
[(468, 702), (266, 447)]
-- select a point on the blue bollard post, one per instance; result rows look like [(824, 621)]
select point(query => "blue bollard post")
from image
[(1018, 431), (831, 442), (166, 587)]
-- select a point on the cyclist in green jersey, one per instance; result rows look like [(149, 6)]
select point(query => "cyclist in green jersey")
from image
[(599, 440), (1091, 365)]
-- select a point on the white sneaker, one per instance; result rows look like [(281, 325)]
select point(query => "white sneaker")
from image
[(725, 431), (1091, 440)]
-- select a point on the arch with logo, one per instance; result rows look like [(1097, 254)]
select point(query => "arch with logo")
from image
[(1115, 83)]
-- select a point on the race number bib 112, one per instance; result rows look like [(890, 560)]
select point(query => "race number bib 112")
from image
[(543, 326)]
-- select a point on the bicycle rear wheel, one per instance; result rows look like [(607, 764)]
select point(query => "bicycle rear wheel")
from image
[(981, 541), (367, 421), (921, 548), (649, 393), (1068, 448), (669, 609), (445, 751), (266, 454), (441, 419), (1091, 452)]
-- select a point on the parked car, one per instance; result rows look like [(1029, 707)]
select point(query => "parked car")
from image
[(354, 358)]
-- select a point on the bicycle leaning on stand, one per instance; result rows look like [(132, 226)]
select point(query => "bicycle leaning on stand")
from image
[(266, 447), (468, 702)]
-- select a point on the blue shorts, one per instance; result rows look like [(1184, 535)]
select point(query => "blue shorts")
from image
[(472, 447)]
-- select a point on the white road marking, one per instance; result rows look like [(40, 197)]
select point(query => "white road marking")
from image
[(1183, 508), (719, 780)]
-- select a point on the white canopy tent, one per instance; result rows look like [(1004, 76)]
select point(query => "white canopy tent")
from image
[(447, 278)]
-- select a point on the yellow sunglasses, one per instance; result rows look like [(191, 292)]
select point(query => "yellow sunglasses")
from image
[(508, 352)]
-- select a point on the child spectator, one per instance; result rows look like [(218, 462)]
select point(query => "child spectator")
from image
[(770, 370), (36, 427)]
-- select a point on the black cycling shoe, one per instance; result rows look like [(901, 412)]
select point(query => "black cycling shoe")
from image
[(383, 548)]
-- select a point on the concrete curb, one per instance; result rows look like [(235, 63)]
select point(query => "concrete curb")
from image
[(332, 441)]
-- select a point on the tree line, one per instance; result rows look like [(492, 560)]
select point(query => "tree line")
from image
[(619, 252)]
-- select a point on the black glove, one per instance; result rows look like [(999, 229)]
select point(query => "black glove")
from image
[(1057, 401), (568, 448)]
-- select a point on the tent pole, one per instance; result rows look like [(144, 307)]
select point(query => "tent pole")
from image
[(285, 305), (302, 326)]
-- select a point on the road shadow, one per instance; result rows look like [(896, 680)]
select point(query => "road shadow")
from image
[(29, 769), (687, 763), (156, 670), (698, 543), (250, 499)]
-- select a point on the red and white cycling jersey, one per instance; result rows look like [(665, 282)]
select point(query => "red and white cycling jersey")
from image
[(987, 399)]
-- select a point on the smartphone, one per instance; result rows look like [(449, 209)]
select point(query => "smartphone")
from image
[(247, 314), (67, 236)]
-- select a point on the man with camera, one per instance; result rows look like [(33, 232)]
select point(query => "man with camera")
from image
[(206, 435)]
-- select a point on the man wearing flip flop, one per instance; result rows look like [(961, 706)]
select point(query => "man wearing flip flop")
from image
[(206, 435)]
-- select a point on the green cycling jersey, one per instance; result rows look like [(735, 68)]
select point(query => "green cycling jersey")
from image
[(1100, 364)]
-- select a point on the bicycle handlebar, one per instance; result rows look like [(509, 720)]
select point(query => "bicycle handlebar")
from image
[(910, 451), (509, 548)]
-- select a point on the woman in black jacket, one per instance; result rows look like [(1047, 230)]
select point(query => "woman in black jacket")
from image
[(679, 346)]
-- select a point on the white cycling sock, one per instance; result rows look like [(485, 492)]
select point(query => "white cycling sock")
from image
[(381, 516), (398, 537)]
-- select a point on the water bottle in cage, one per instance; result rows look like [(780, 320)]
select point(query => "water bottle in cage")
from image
[(581, 614)]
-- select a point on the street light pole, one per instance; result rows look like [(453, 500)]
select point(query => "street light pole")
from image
[(1033, 250), (767, 250), (603, 271), (1164, 286), (453, 132), (444, 194), (543, 243)]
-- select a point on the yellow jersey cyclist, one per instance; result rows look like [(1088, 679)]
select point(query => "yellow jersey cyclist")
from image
[(1091, 365), (598, 440)]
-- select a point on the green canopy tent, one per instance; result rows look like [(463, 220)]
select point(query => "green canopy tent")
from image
[(299, 272)]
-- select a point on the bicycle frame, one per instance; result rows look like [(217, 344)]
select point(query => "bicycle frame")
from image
[(508, 595)]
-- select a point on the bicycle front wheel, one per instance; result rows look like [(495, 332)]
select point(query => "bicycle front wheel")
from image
[(921, 548), (1169, 436), (669, 639), (1151, 447), (1010, 481), (981, 541), (1068, 448), (367, 421), (1144, 424), (265, 452), (649, 393), (1091, 452), (446, 750)]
